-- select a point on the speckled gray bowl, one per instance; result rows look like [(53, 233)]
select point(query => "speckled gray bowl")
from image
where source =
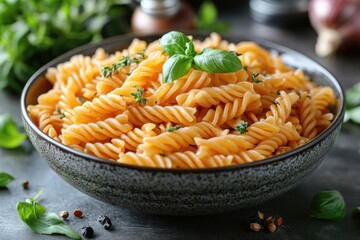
[(183, 192)]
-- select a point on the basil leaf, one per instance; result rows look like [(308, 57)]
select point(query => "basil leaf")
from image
[(217, 61), (10, 137), (353, 96), (190, 49), (42, 222), (207, 12), (329, 205), (5, 179), (175, 43), (356, 213), (207, 19), (176, 66), (353, 115)]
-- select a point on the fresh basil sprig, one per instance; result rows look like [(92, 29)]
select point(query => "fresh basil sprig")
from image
[(5, 179), (353, 104), (183, 57), (10, 137), (42, 222), (329, 205)]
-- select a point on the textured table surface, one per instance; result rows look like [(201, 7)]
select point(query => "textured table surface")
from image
[(340, 170)]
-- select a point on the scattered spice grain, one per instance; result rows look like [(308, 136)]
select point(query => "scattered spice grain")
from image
[(78, 213), (64, 214), (25, 184)]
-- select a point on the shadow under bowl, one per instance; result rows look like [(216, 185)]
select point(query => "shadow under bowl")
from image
[(183, 191)]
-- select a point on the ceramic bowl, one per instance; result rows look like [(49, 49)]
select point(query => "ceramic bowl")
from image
[(178, 191)]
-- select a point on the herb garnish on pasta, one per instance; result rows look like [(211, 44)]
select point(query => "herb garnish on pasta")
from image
[(183, 57)]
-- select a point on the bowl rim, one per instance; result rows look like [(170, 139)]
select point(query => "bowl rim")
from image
[(271, 45)]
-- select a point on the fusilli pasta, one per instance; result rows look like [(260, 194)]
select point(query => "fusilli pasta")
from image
[(197, 121)]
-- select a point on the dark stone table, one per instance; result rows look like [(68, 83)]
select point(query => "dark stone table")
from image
[(340, 170)]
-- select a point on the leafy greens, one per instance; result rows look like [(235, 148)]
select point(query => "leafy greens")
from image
[(33, 32), (5, 179), (41, 221), (353, 104), (10, 137), (207, 19), (329, 205)]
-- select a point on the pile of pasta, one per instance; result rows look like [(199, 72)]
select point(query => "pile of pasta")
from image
[(192, 122)]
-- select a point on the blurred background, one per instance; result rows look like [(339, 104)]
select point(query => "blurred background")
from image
[(33, 32)]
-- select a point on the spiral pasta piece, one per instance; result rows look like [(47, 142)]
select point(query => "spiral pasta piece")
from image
[(247, 156), (322, 97), (281, 108), (286, 133), (168, 142), (186, 159), (136, 136), (307, 113), (167, 92), (99, 108), (109, 150), (224, 113), (231, 143), (158, 114), (147, 72), (109, 128), (206, 97), (144, 160)]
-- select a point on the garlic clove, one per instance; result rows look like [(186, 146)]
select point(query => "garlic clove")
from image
[(328, 42)]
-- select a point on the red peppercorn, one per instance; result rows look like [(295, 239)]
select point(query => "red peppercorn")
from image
[(78, 213), (278, 221)]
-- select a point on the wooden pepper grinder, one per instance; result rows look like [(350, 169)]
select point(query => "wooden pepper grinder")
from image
[(154, 16)]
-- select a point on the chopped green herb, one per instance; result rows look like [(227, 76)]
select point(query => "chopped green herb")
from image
[(163, 155), (116, 67), (10, 137), (81, 100), (100, 127), (245, 68), (5, 179), (41, 221), (61, 113), (278, 92), (329, 205), (139, 99), (276, 103), (135, 60), (264, 74), (173, 128), (141, 54), (254, 78), (242, 128), (308, 96)]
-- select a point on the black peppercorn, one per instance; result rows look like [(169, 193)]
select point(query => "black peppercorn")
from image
[(105, 221), (87, 232)]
